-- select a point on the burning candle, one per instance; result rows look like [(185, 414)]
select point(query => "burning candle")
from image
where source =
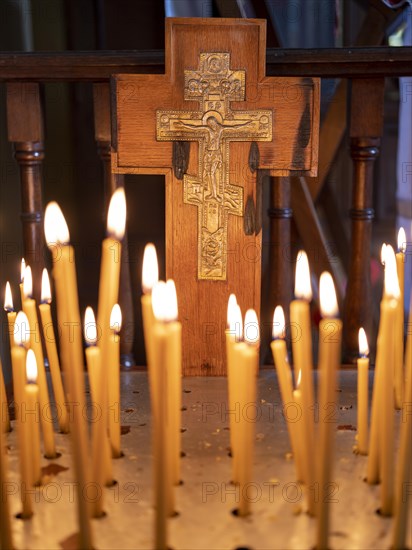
[(101, 452), (29, 308), (373, 468), (280, 357), (11, 314), (11, 318), (6, 539), (113, 362), (363, 382), (110, 268), (247, 365), (330, 336), (109, 291), (163, 313), (230, 339), (150, 276), (236, 328), (175, 381), (399, 322), (386, 356), (302, 360), (50, 340), (18, 361), (30, 417), (57, 234), (402, 496), (22, 270)]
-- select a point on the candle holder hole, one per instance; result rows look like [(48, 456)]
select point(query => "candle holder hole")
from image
[(182, 454), (101, 516), (175, 514), (23, 517), (183, 409), (113, 483), (57, 455), (181, 482), (136, 391), (183, 430), (187, 391)]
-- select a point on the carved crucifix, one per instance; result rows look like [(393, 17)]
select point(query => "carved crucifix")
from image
[(214, 95), (214, 126)]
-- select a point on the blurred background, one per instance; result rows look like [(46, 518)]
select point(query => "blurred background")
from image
[(72, 169)]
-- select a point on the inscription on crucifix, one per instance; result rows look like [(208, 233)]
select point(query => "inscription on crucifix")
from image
[(215, 85)]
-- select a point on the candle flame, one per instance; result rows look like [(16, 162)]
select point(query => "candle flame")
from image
[(90, 327), (22, 330), (251, 328), (299, 380), (303, 288), (8, 298), (158, 300), (55, 226), (116, 318), (150, 271), (328, 301), (22, 269), (116, 216), (45, 287), (402, 240), (31, 367), (172, 300), (231, 304), (236, 324), (383, 252), (278, 330), (392, 288), (363, 343), (28, 283)]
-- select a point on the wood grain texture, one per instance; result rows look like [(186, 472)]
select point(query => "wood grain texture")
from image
[(295, 105), (102, 132)]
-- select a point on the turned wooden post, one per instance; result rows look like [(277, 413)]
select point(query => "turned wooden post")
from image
[(25, 131), (102, 127), (281, 255), (366, 123)]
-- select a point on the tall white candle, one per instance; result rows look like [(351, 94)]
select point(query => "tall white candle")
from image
[(57, 235), (330, 336), (399, 321), (52, 355), (246, 368), (363, 382), (302, 361), (29, 308), (230, 339), (402, 495), (280, 357), (386, 345)]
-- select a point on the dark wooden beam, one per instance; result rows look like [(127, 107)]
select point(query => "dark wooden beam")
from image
[(99, 66)]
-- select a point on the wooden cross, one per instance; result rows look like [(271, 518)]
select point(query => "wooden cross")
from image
[(214, 94)]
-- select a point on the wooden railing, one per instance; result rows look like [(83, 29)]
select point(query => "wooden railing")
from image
[(365, 70)]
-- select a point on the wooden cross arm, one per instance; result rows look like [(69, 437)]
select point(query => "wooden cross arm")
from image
[(294, 103)]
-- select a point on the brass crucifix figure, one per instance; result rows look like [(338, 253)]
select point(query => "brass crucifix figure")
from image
[(214, 126)]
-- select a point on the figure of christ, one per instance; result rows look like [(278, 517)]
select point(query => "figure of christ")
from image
[(212, 161)]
